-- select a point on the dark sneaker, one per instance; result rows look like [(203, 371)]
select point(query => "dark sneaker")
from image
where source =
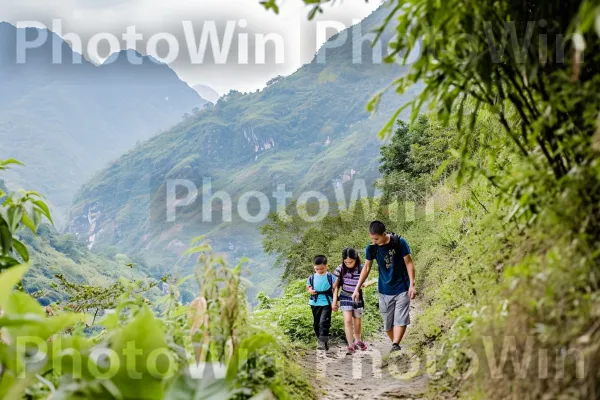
[(360, 345), (350, 350), (395, 347), (322, 345)]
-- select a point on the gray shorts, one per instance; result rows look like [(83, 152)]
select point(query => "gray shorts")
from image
[(394, 310)]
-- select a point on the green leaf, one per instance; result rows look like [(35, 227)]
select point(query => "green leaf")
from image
[(145, 334), (21, 249), (28, 223), (248, 345), (20, 320), (9, 161), (36, 219), (441, 169), (59, 323), (44, 207), (6, 239), (8, 280), (7, 262), (197, 239), (20, 303), (14, 215), (197, 249)]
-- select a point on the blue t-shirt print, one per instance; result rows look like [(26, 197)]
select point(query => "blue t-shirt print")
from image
[(393, 275), (321, 284)]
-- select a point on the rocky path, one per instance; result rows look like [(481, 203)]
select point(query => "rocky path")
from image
[(371, 374)]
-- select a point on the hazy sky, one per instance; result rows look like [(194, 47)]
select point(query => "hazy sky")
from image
[(184, 21)]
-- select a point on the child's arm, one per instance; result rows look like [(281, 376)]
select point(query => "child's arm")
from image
[(334, 305), (310, 289)]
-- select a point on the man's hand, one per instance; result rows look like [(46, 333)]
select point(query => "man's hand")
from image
[(335, 306), (412, 292), (355, 297)]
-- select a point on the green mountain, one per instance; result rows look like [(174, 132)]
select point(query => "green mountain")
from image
[(309, 131), (66, 120)]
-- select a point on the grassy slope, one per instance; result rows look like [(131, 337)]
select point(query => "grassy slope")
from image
[(53, 253)]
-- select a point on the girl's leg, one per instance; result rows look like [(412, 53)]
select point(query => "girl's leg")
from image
[(358, 328), (348, 326)]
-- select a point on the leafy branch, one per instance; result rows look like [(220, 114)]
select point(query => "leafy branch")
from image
[(17, 210)]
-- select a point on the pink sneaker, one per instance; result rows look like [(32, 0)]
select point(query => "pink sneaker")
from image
[(350, 350), (360, 345)]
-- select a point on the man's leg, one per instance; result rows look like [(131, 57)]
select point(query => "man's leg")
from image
[(401, 316), (398, 333), (390, 334), (387, 313)]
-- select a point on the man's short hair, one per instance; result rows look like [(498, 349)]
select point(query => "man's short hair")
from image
[(377, 228), (320, 260)]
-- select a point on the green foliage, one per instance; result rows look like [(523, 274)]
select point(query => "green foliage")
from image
[(547, 106), (264, 301), (95, 299), (293, 317), (412, 158), (148, 355), (18, 210)]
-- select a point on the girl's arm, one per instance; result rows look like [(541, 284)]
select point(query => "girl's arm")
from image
[(336, 286)]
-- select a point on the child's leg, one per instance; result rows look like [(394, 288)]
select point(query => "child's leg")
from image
[(357, 328), (316, 319), (325, 323), (348, 326)]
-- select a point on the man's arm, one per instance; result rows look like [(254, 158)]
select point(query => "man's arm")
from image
[(410, 268), (369, 283), (363, 277)]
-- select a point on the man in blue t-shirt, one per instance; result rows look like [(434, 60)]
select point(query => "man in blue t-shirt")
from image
[(396, 283)]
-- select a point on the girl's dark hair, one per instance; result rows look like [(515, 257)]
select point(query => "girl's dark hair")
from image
[(348, 252)]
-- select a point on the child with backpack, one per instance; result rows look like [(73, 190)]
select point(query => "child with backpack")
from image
[(348, 274), (320, 286)]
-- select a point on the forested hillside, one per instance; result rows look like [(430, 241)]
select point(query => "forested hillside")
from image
[(305, 131), (66, 119)]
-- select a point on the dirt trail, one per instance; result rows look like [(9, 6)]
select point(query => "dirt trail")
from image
[(371, 374)]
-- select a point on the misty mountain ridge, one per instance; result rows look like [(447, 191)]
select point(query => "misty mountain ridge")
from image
[(66, 121)]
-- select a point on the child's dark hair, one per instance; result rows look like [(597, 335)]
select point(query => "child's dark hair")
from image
[(348, 252), (320, 260), (377, 228)]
